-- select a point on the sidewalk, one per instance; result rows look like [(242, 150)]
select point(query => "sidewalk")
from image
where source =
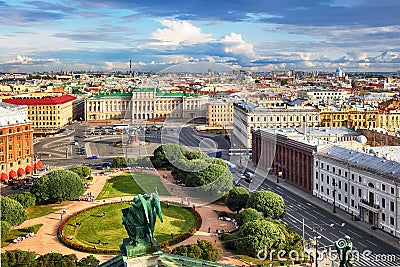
[(346, 217)]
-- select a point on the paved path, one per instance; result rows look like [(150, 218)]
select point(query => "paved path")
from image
[(46, 241)]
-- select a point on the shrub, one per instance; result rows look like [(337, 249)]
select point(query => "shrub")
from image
[(12, 211), (25, 199), (17, 257), (248, 215), (228, 240), (5, 229)]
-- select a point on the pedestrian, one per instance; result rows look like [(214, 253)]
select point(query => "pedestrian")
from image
[(198, 241), (209, 229), (62, 216), (121, 199), (172, 234), (64, 211)]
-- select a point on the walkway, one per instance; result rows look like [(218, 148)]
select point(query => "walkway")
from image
[(46, 241)]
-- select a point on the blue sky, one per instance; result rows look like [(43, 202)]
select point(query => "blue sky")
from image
[(356, 35)]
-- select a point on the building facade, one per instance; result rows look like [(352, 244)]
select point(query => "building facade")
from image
[(363, 185), (220, 113), (16, 142), (351, 117), (248, 117), (141, 104), (48, 114)]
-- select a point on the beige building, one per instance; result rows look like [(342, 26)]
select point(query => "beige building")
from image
[(48, 114), (220, 113), (141, 104), (248, 117), (349, 117)]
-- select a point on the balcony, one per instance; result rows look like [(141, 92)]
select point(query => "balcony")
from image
[(369, 205)]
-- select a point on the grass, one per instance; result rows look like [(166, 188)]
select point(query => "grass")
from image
[(110, 231), (42, 210), (19, 232), (129, 184)]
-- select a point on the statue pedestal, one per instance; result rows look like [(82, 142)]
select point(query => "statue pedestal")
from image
[(142, 261), (140, 248)]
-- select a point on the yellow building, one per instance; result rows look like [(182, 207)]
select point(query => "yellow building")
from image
[(349, 117), (389, 121), (48, 114), (220, 113)]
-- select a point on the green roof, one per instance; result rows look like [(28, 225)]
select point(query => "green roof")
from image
[(175, 94), (113, 94)]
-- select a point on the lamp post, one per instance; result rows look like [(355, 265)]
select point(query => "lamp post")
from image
[(334, 197)]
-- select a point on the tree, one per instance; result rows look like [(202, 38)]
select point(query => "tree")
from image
[(166, 154), (56, 260), (26, 199), (248, 215), (267, 202), (83, 171), (259, 235), (89, 261), (14, 258), (12, 211), (57, 186), (205, 250), (5, 229), (237, 198), (119, 162)]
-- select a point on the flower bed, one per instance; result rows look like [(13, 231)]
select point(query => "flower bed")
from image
[(93, 249)]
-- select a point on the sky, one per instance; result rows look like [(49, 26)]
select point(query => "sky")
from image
[(253, 35)]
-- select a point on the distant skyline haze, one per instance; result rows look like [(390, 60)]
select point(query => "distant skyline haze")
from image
[(359, 35)]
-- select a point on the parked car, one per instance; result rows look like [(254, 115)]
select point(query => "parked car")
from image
[(93, 157)]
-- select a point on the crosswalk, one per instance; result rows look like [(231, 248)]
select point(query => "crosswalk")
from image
[(378, 260)]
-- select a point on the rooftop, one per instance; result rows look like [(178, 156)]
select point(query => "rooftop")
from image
[(32, 101), (9, 117), (377, 165)]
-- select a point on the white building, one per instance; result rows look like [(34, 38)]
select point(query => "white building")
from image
[(248, 117), (364, 185)]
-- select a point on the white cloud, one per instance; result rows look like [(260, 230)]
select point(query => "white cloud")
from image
[(24, 60), (237, 47), (178, 33)]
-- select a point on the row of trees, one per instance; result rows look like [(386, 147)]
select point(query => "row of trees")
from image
[(204, 250), (122, 162), (260, 227), (193, 168), (13, 258)]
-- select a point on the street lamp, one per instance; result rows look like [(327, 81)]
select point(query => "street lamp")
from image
[(334, 197)]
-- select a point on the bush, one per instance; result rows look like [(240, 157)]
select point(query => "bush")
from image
[(5, 229), (237, 198), (267, 202), (12, 211), (17, 257), (82, 171), (205, 250), (57, 186), (248, 215), (25, 199), (228, 240)]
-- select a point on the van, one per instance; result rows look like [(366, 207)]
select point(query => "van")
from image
[(248, 177)]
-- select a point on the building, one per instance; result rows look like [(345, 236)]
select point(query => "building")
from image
[(16, 143), (364, 185), (352, 117), (248, 117), (288, 152), (326, 96), (48, 114), (220, 114), (141, 104)]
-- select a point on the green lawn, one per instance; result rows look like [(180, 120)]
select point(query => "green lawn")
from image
[(42, 210), (129, 184), (109, 229), (19, 232)]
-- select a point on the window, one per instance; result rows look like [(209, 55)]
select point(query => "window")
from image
[(392, 190), (316, 186), (316, 175), (359, 179), (383, 217), (340, 197), (345, 187), (359, 193), (322, 189), (340, 184), (391, 220), (383, 187), (352, 190), (345, 200), (391, 206), (352, 202), (383, 203), (340, 172), (327, 179), (345, 174), (327, 191), (352, 176)]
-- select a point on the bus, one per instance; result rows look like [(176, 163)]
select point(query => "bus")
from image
[(214, 154), (231, 166), (120, 126)]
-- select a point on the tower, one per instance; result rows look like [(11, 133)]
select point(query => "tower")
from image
[(130, 67)]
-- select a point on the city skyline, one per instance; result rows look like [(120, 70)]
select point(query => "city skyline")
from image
[(104, 35)]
